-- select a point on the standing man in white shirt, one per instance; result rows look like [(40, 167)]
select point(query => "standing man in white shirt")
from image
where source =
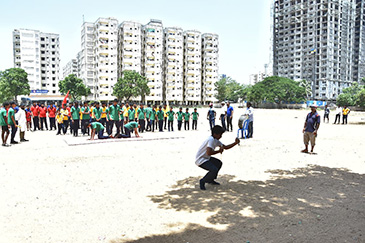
[(338, 114), (206, 150), (222, 115), (249, 113)]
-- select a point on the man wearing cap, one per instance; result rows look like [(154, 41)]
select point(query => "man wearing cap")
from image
[(222, 115), (310, 129)]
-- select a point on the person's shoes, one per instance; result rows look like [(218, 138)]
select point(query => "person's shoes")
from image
[(24, 140), (5, 145), (13, 142), (202, 184), (214, 183)]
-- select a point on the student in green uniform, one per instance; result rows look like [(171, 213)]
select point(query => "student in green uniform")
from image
[(114, 113), (141, 118), (195, 116), (179, 115), (160, 116), (85, 111), (170, 118), (75, 118), (12, 122), (97, 112), (153, 119), (129, 127), (97, 127), (131, 114), (4, 124), (121, 123), (186, 119), (148, 115)]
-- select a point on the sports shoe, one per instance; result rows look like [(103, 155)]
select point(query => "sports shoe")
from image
[(202, 184), (13, 142)]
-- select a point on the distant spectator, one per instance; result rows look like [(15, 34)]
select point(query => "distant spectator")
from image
[(338, 115), (345, 113), (326, 114)]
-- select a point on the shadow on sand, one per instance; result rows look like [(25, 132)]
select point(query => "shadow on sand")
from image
[(311, 204)]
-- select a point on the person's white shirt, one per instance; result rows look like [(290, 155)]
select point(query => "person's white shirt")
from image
[(21, 117), (223, 110), (249, 113), (339, 110), (201, 155)]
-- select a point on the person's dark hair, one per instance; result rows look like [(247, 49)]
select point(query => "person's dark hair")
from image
[(12, 103), (180, 108), (160, 107), (6, 104), (249, 103), (96, 103), (115, 100), (217, 130), (86, 102)]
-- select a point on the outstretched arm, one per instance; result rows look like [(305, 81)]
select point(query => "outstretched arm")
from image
[(237, 141), (136, 132)]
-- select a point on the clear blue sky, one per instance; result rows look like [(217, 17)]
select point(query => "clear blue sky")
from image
[(243, 25)]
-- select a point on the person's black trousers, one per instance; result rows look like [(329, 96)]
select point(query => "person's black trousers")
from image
[(148, 127), (35, 123), (52, 123), (165, 122), (75, 127), (195, 124), (84, 129), (186, 125), (338, 116), (152, 125), (60, 128), (179, 125), (13, 132), (141, 123), (213, 165), (44, 120), (121, 126), (211, 123), (171, 125), (65, 126), (160, 125), (344, 119), (223, 120), (229, 123), (250, 129)]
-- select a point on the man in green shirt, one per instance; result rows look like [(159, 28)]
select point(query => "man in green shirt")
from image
[(4, 124), (195, 116), (131, 114), (129, 127), (170, 118), (141, 118), (75, 118), (152, 119), (179, 115), (148, 115), (85, 111), (12, 122), (97, 127), (160, 116), (114, 113), (186, 119), (97, 112)]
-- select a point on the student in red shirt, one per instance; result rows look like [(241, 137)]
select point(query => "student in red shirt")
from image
[(28, 114), (35, 114), (52, 116), (43, 116)]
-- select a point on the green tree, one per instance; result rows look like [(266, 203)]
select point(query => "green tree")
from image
[(132, 84), (360, 101), (345, 99), (13, 82), (277, 89), (221, 88), (75, 85)]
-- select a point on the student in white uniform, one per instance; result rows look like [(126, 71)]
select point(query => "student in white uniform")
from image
[(206, 150), (21, 118)]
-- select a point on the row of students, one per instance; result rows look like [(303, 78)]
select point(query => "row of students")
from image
[(115, 117)]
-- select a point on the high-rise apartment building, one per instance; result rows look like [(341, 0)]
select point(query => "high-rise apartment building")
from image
[(209, 66), (313, 40), (359, 42), (174, 65), (129, 47), (152, 60), (38, 54), (71, 68), (192, 67), (99, 53)]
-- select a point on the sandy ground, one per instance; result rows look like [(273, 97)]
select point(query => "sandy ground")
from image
[(147, 191)]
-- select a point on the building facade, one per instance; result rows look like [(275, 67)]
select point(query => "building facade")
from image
[(38, 54), (71, 68), (313, 40), (359, 42), (192, 67), (209, 66), (174, 65)]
